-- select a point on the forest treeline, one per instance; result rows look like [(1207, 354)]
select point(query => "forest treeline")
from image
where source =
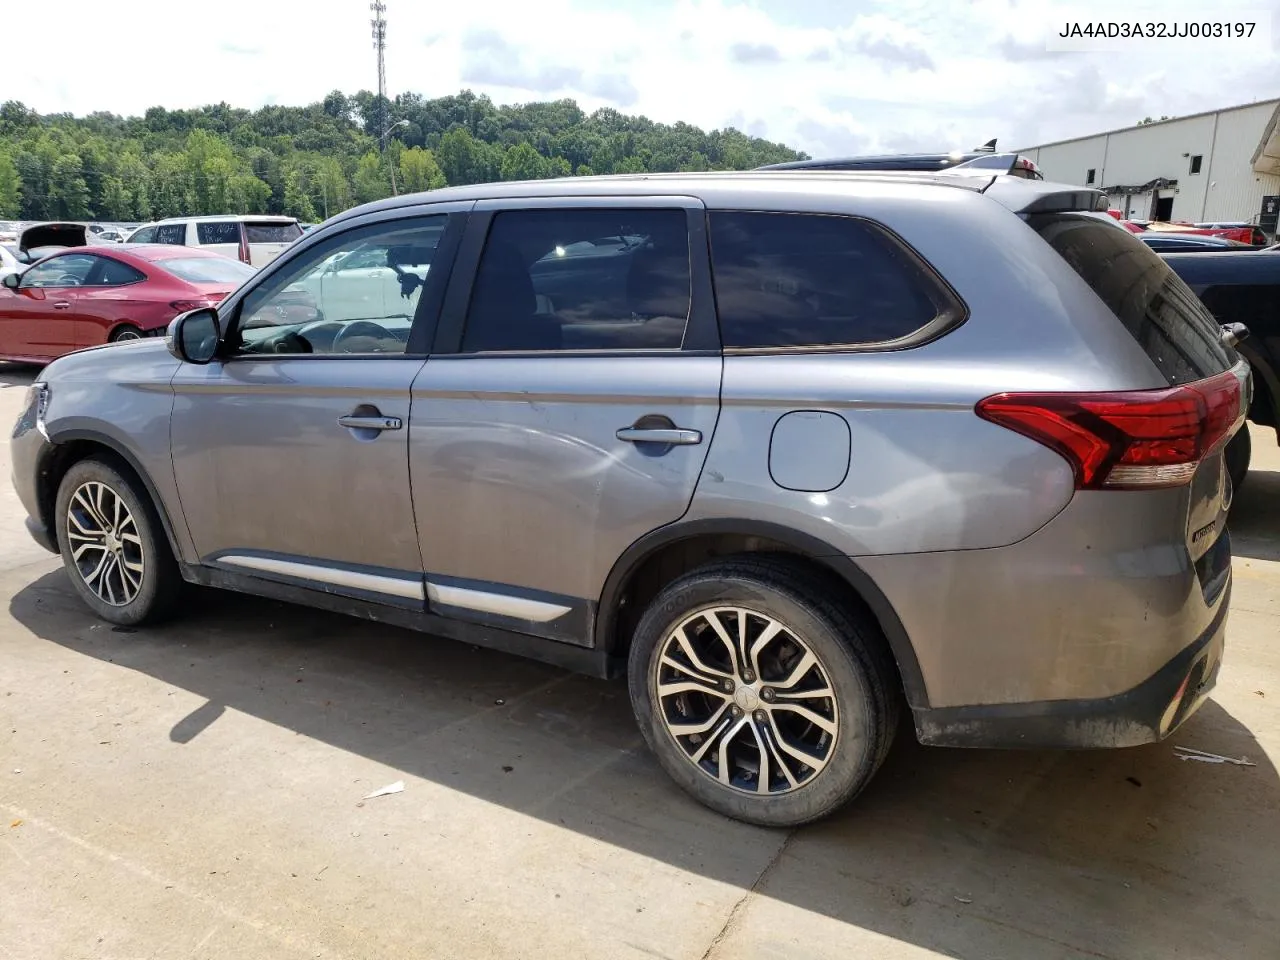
[(314, 161)]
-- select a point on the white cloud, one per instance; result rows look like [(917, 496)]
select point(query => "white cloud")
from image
[(825, 76)]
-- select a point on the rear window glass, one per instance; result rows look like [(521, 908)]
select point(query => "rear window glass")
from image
[(1156, 307), (208, 269), (272, 232), (225, 231), (811, 280)]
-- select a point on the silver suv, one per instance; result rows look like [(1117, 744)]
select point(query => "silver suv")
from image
[(787, 449)]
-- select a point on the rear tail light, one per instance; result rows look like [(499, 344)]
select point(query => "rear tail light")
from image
[(182, 306), (1130, 440)]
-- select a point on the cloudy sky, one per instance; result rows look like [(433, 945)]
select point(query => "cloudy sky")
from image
[(825, 76)]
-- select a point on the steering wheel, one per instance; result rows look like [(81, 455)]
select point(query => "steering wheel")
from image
[(357, 329), (68, 280)]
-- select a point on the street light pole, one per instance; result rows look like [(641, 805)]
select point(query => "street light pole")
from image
[(383, 148)]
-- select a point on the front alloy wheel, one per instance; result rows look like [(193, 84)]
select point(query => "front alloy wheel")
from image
[(746, 700), (113, 543), (106, 549)]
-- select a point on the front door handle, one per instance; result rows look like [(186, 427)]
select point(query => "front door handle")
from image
[(370, 423), (61, 304), (673, 436)]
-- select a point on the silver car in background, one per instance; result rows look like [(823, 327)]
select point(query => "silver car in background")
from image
[(791, 450)]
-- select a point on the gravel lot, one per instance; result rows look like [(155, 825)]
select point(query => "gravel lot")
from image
[(194, 791)]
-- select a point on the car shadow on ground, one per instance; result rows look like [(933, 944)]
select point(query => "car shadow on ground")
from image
[(17, 374), (974, 854), (1255, 516)]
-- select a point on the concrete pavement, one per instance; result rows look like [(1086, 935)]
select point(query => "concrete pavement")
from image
[(194, 791)]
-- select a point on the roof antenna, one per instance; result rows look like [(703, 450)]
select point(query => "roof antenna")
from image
[(988, 147)]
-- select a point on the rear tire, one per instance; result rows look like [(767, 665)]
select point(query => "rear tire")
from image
[(124, 333), (1237, 455), (114, 546), (758, 713)]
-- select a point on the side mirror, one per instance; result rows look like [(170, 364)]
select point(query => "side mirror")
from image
[(11, 280), (193, 336)]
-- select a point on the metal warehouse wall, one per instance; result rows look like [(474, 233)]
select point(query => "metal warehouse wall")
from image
[(1234, 191), (1226, 188)]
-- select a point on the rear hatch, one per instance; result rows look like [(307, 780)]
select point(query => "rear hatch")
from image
[(52, 235), (267, 239), (1142, 439)]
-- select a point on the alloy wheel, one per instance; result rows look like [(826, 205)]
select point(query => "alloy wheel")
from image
[(105, 546), (126, 335), (747, 700)]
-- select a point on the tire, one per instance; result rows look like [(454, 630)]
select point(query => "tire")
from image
[(858, 721), (1237, 455), (139, 581), (125, 332)]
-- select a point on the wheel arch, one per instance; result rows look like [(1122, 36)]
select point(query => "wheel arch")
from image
[(660, 556), (69, 447), (1266, 387)]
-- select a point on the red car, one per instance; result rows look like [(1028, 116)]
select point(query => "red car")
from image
[(84, 296)]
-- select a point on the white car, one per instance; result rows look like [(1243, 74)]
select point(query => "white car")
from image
[(252, 240), (9, 263)]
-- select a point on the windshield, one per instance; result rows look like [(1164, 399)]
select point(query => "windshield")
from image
[(208, 269)]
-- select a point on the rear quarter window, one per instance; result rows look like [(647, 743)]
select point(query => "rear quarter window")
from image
[(171, 233), (815, 280), (1171, 325), (225, 231)]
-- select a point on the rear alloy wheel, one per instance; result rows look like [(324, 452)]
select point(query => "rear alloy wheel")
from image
[(126, 333), (759, 695), (113, 545)]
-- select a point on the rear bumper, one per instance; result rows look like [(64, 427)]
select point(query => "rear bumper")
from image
[(1146, 713)]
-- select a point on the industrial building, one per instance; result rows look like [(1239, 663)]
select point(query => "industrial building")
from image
[(1207, 167)]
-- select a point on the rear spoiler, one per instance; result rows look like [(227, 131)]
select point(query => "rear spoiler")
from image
[(1028, 196)]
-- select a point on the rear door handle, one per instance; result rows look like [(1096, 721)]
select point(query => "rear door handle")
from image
[(370, 423), (61, 304), (674, 436)]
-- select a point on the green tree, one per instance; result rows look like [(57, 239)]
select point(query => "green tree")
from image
[(419, 171), (296, 202), (70, 192), (522, 162), (335, 192), (115, 203), (247, 194), (464, 159), (219, 158), (371, 181), (10, 187)]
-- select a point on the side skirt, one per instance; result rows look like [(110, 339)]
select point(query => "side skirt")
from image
[(591, 662)]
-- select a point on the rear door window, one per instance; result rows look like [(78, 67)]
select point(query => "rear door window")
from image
[(581, 279), (219, 231), (813, 280), (1173, 327), (172, 233), (272, 232)]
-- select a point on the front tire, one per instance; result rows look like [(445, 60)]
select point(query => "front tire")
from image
[(760, 695), (124, 333), (113, 545)]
